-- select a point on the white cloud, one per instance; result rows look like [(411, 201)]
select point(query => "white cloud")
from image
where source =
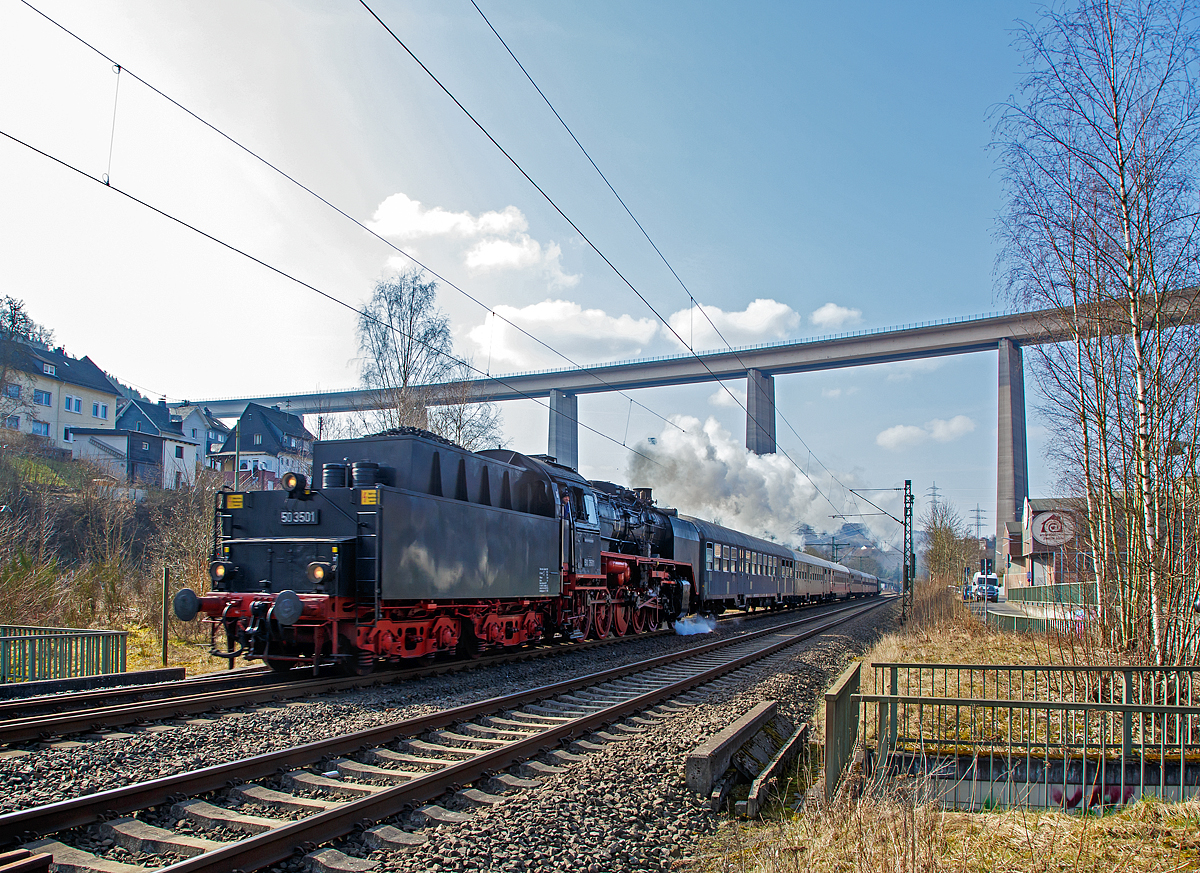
[(500, 238), (832, 393), (403, 218), (903, 371), (831, 315), (587, 335), (902, 436), (948, 431), (763, 320), (722, 397)]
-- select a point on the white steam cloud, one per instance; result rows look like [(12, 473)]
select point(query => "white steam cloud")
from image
[(705, 472)]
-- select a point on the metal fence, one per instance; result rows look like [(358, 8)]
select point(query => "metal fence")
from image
[(1071, 737), (28, 654), (1072, 593), (841, 725), (1070, 622)]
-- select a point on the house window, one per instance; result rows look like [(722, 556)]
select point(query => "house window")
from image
[(72, 403), (258, 439), (41, 428), (193, 433), (42, 398), (12, 391), (99, 410), (48, 369), (13, 421), (66, 434), (179, 451), (145, 446)]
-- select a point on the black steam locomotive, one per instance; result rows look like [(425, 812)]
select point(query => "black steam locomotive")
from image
[(413, 546)]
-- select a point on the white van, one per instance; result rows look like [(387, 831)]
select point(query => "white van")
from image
[(985, 587)]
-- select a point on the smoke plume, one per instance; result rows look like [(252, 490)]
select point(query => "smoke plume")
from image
[(704, 472)]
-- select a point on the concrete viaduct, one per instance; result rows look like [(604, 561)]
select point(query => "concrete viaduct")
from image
[(1005, 334)]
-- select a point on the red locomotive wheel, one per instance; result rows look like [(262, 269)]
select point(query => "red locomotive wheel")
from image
[(649, 617), (622, 618), (602, 618)]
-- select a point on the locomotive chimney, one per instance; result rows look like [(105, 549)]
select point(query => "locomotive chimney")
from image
[(643, 494)]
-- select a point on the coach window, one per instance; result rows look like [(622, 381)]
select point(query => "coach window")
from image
[(708, 557)]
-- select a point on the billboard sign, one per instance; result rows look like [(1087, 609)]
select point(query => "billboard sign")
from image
[(1053, 528)]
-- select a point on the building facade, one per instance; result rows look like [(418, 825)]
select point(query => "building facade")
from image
[(264, 444), (48, 393), (147, 447)]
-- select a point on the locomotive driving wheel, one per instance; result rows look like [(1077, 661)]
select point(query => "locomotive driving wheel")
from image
[(646, 618), (622, 616), (602, 617)]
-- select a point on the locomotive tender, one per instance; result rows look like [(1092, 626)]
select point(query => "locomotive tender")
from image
[(413, 546)]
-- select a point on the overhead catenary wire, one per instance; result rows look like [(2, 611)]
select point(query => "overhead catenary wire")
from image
[(691, 298), (586, 239), (286, 275), (403, 252)]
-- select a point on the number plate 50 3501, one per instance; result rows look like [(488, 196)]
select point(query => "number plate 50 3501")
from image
[(299, 516)]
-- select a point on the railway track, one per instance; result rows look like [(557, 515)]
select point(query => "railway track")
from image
[(79, 712), (262, 808)]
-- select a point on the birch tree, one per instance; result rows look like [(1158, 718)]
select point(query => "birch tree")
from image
[(1098, 150)]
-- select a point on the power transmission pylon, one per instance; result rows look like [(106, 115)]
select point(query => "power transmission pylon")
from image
[(978, 515), (932, 491)]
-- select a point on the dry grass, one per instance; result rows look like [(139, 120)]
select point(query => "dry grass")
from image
[(144, 652), (896, 834), (898, 831)]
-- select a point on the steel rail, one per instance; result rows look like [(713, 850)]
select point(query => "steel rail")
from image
[(278, 844), (15, 730), (256, 688), (79, 811)]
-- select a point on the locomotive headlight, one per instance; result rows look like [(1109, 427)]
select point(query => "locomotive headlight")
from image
[(319, 571), (219, 571), (293, 483)]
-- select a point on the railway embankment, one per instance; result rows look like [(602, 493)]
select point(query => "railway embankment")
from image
[(903, 823)]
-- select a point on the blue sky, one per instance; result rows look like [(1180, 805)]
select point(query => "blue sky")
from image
[(829, 161)]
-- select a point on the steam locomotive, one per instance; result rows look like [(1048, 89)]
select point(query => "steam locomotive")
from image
[(413, 547)]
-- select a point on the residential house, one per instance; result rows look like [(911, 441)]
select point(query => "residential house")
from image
[(147, 446), (265, 443), (48, 393), (199, 424)]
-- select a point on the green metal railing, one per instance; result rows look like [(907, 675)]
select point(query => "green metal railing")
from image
[(841, 725), (28, 654), (1072, 737), (1021, 624), (1073, 593)]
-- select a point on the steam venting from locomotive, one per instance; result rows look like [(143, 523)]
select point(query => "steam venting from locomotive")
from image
[(705, 469)]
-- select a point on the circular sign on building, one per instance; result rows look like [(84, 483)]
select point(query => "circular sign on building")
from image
[(1053, 528)]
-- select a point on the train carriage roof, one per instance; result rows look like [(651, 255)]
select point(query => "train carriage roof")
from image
[(710, 532)]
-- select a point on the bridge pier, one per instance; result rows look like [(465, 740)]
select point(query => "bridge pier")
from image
[(1012, 461), (564, 428), (760, 412)]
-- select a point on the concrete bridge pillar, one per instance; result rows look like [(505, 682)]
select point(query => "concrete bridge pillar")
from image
[(760, 412), (564, 428), (1012, 462)]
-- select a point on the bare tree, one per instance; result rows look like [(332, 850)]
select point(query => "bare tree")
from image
[(406, 352), (949, 545), (1099, 155)]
